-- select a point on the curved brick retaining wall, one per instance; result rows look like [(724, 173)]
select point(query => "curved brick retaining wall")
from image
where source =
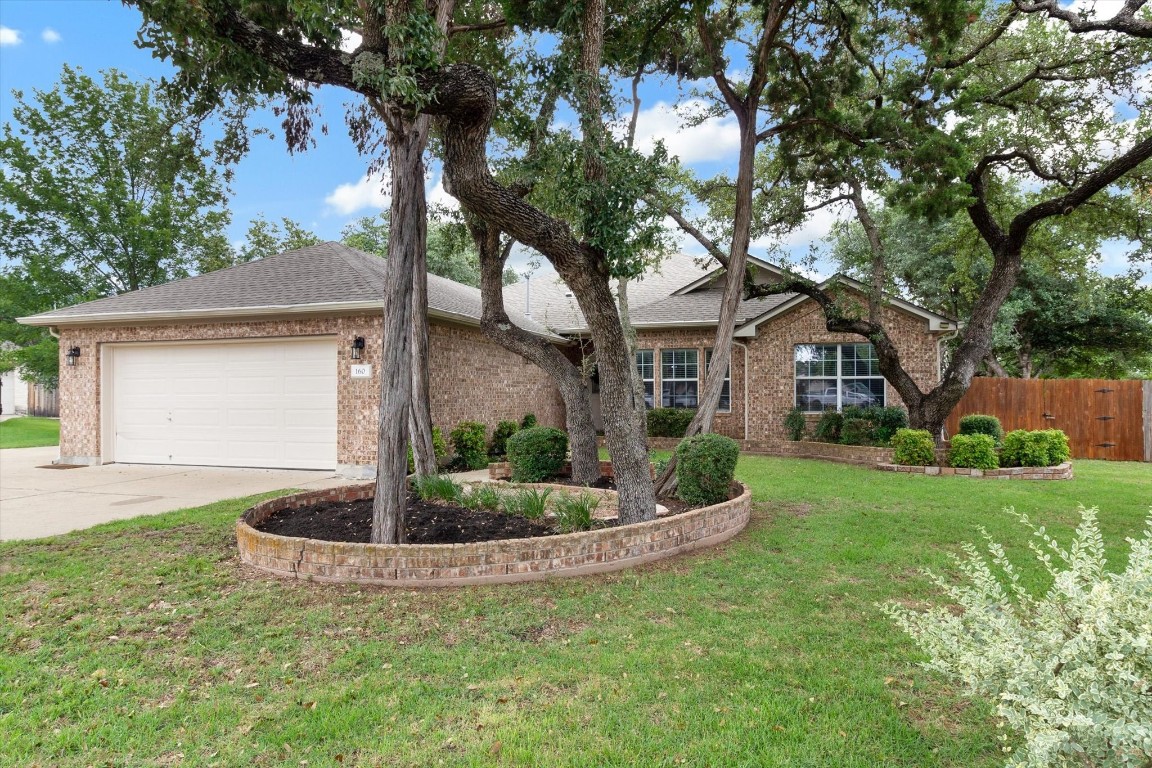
[(1058, 472), (489, 562)]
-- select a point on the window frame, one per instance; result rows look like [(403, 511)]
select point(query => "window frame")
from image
[(650, 379), (838, 363), (726, 391), (685, 379)]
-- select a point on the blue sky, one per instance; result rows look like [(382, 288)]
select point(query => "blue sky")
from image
[(324, 188)]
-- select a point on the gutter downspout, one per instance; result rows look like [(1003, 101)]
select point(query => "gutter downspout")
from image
[(53, 332), (744, 347)]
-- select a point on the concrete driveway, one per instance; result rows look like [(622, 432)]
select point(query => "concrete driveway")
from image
[(37, 502)]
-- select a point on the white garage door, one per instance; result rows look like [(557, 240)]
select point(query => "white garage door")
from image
[(250, 404)]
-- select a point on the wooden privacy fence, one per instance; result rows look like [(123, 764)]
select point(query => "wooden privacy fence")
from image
[(43, 402), (1103, 419)]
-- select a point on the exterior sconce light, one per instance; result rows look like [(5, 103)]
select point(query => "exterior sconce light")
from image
[(73, 355), (357, 347)]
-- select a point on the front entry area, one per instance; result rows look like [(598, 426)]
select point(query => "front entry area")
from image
[(232, 404)]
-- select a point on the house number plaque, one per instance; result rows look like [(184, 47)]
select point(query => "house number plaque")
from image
[(362, 371)]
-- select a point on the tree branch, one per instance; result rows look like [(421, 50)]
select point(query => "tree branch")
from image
[(480, 27), (1124, 21)]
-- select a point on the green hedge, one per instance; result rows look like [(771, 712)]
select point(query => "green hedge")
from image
[(913, 447), (500, 435), (669, 422), (796, 424), (536, 454), (981, 424), (470, 444), (1038, 448), (974, 451), (705, 466)]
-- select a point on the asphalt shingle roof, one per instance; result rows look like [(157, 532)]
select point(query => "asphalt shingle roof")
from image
[(650, 299), (327, 273)]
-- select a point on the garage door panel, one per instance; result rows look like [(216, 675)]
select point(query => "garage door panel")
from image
[(233, 404)]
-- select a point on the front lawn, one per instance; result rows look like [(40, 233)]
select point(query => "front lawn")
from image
[(146, 642), (29, 432)]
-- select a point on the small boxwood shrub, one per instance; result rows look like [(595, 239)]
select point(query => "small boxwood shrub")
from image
[(887, 422), (536, 454), (795, 423), (913, 447), (528, 421), (828, 428), (973, 451), (1039, 448), (856, 431), (705, 465), (470, 444), (500, 435), (669, 422), (982, 424)]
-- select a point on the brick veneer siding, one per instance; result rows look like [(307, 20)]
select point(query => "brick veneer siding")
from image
[(510, 560), (464, 369), (1058, 472), (771, 391)]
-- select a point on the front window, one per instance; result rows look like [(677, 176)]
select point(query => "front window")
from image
[(726, 391), (679, 378), (646, 369), (832, 376)]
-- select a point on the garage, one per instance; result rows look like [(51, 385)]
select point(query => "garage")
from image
[(268, 403)]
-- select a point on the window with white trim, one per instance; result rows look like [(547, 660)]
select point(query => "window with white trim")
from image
[(646, 369), (679, 378), (726, 391), (832, 376)]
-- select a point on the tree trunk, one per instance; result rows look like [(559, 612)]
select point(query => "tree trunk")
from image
[(420, 413), (497, 327), (408, 230)]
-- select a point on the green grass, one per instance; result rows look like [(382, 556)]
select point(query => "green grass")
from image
[(140, 641), (29, 432)]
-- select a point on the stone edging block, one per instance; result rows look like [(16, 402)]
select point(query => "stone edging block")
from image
[(489, 562), (1058, 472)]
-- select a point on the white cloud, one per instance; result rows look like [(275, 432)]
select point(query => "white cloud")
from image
[(438, 197), (350, 41), (9, 36), (50, 35), (717, 138), (368, 192)]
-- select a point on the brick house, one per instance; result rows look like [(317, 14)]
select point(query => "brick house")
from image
[(275, 363), (783, 356)]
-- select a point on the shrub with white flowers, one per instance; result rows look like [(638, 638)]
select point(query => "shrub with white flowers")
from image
[(1071, 671)]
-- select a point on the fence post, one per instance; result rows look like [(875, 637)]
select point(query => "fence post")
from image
[(1148, 420)]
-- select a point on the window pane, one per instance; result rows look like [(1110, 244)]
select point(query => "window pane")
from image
[(726, 390), (816, 394), (678, 364), (862, 392), (644, 364), (678, 394), (816, 360), (858, 360), (649, 399)]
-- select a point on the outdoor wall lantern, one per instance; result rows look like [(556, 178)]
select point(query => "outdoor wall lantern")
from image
[(357, 347), (73, 355)]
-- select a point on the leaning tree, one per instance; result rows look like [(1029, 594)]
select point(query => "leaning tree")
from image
[(224, 48)]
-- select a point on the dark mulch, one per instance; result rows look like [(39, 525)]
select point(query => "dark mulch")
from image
[(425, 522)]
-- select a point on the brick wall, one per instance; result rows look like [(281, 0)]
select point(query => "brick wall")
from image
[(771, 391), (471, 378)]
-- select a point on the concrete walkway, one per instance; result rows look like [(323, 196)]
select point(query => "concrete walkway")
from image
[(37, 502)]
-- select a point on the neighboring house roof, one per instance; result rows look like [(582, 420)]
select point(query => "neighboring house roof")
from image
[(328, 277)]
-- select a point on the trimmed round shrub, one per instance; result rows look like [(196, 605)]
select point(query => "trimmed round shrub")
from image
[(500, 435), (796, 424), (973, 451), (913, 447), (828, 428), (536, 454), (705, 465), (982, 424), (669, 422), (856, 431), (470, 444), (528, 421), (1039, 448)]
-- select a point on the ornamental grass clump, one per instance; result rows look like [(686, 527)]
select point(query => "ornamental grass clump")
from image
[(973, 451), (1070, 671), (531, 503), (536, 454), (482, 496), (574, 513), (705, 465), (437, 488), (913, 447)]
